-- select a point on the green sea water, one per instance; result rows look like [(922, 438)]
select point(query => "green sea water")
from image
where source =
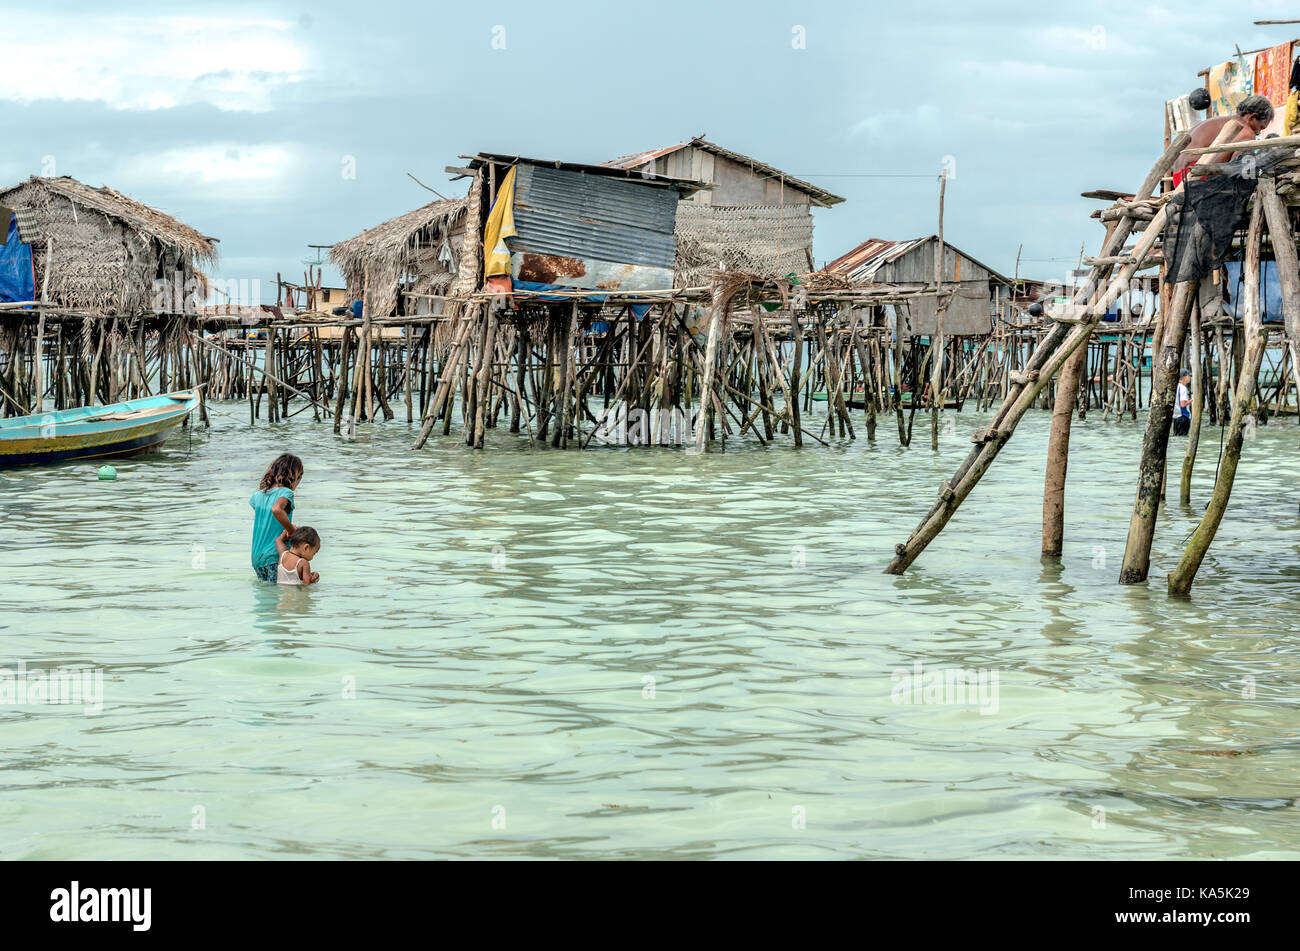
[(640, 653)]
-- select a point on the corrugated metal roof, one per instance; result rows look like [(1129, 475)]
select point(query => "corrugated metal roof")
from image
[(820, 196), (638, 159), (568, 213), (861, 264), (685, 186)]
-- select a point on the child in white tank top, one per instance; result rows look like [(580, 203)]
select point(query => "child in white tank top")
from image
[(296, 552)]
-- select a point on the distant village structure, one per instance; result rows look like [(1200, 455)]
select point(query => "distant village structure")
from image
[(750, 217), (652, 284), (979, 291), (403, 265)]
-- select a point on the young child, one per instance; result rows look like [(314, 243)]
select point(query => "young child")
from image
[(273, 512), (297, 549)]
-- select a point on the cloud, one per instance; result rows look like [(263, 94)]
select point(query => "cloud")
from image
[(227, 163), (144, 63), (1090, 41), (892, 120)]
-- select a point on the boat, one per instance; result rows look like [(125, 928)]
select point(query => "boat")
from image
[(94, 432)]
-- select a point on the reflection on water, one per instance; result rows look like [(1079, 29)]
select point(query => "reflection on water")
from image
[(634, 653)]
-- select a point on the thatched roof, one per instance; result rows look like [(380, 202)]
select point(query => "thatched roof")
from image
[(400, 249), (140, 218), (99, 251)]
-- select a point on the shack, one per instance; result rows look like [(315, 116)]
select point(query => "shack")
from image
[(97, 251), (549, 225), (753, 218), (404, 265), (978, 290)]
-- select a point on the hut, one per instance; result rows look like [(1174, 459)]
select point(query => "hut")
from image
[(910, 265), (752, 218), (407, 262), (97, 251), (569, 225)]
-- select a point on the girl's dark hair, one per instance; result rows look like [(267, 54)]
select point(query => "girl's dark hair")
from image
[(282, 471), (304, 535)]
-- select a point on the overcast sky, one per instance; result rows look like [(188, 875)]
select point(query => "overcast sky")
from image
[(244, 121)]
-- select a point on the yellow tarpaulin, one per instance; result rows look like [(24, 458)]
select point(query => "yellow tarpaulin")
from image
[(500, 225)]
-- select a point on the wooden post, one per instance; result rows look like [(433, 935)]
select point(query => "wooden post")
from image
[(1198, 401), (483, 395), (1058, 444), (936, 345), (268, 368), (1048, 357), (1058, 453), (1180, 579), (796, 368), (1155, 442), (39, 368), (710, 368)]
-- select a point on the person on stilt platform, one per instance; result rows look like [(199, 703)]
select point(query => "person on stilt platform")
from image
[(1254, 113)]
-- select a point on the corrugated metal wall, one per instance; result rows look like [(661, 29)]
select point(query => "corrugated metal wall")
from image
[(562, 212)]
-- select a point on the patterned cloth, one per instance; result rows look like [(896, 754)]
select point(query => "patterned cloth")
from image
[(265, 573), (1230, 83), (1272, 79)]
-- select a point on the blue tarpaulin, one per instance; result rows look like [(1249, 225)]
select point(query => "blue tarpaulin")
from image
[(1270, 291), (17, 280)]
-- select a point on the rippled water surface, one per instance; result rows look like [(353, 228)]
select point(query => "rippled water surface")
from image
[(641, 653)]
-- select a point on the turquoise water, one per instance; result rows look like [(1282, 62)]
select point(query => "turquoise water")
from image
[(643, 653)]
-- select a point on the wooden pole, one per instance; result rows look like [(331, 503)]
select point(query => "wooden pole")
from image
[(1155, 441), (1198, 401), (710, 365), (1047, 358), (1180, 579), (936, 345)]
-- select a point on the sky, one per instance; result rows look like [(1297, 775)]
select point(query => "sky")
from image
[(275, 126)]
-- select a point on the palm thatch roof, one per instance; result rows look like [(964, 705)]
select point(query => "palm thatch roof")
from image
[(105, 250), (146, 221), (402, 253)]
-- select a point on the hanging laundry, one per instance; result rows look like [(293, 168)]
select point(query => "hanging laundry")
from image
[(1179, 115), (1230, 83), (1272, 80), (500, 225)]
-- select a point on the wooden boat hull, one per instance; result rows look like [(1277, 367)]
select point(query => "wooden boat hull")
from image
[(94, 432)]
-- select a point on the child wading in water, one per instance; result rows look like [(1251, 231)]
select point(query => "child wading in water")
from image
[(297, 549), (273, 512)]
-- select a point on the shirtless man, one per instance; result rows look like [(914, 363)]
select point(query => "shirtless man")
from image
[(1254, 113)]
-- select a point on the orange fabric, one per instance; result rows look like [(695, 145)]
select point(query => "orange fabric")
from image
[(1273, 80), (1273, 74)]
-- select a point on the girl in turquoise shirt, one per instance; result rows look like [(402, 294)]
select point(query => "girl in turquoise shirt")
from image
[(273, 512)]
